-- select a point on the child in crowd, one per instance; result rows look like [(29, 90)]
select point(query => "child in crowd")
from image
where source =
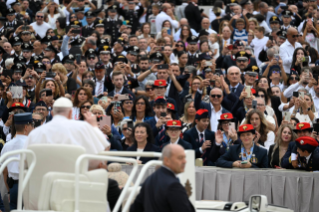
[(151, 18), (239, 32), (213, 44), (259, 42)]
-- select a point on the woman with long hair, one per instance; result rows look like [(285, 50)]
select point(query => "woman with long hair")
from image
[(60, 26), (182, 60), (146, 30), (54, 12), (142, 110), (85, 107), (298, 59), (217, 11), (204, 47), (310, 33), (69, 83), (81, 95), (301, 110), (264, 137), (55, 85), (285, 135), (194, 86), (189, 114), (168, 30), (223, 24), (185, 33), (82, 69), (115, 110), (127, 140), (143, 141)]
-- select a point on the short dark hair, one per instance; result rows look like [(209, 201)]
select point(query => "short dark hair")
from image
[(150, 138)]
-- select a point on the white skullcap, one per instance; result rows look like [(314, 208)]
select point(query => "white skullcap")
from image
[(63, 102)]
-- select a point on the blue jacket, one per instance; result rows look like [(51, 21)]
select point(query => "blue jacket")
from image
[(191, 136), (148, 148), (233, 154), (162, 191), (286, 159)]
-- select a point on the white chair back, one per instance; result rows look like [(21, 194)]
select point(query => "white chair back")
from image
[(50, 158)]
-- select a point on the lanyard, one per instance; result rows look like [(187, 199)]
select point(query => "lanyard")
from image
[(246, 155)]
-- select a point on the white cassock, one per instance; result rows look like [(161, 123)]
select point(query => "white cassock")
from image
[(65, 131)]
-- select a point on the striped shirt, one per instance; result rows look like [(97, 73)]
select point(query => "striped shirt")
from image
[(240, 35)]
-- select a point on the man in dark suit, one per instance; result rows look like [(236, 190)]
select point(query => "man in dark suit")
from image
[(233, 76), (200, 137), (193, 15), (103, 82), (118, 81), (162, 191), (214, 108), (157, 122)]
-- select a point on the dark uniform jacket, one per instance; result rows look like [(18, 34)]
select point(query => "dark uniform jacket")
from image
[(148, 148), (132, 16), (258, 160), (112, 28)]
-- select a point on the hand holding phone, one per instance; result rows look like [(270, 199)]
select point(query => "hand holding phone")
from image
[(254, 104)]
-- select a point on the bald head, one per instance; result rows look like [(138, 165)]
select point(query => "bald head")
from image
[(292, 35), (174, 157), (183, 21), (166, 6), (205, 23), (291, 30)]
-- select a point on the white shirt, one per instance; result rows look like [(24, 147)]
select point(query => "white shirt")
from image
[(270, 140), (18, 142), (160, 18), (290, 90), (215, 115), (211, 31), (40, 29), (308, 157), (286, 52), (314, 98), (97, 85), (258, 45), (280, 85), (73, 132), (199, 137)]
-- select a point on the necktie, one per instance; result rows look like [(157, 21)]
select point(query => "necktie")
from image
[(233, 90), (225, 43), (100, 91), (201, 138)]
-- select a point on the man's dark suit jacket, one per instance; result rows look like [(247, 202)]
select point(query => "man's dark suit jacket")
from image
[(192, 137), (233, 154), (162, 191), (193, 15), (124, 91)]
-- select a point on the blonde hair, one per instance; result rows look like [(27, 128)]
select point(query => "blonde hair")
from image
[(60, 68), (201, 80), (97, 107), (253, 20), (185, 116), (57, 89), (313, 109), (278, 140)]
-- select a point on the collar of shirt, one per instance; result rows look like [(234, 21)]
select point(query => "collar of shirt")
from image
[(102, 80), (19, 136), (70, 73), (169, 170), (213, 109), (236, 86), (176, 142), (32, 89), (307, 158), (120, 91), (156, 119), (199, 131)]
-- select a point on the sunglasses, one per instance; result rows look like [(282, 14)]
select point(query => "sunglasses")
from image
[(242, 61), (295, 36), (179, 45), (261, 96), (149, 89), (276, 72), (214, 96), (85, 106), (46, 62), (39, 16), (293, 78)]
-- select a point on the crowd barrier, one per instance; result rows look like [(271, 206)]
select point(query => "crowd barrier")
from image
[(296, 190)]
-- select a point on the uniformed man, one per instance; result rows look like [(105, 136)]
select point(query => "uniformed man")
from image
[(99, 26), (39, 67), (105, 57), (132, 16), (250, 77), (23, 124), (51, 53), (44, 41), (91, 59), (308, 153), (89, 28), (132, 53), (18, 72), (113, 23), (274, 22), (16, 43), (192, 50), (282, 36), (242, 60), (286, 19), (27, 53), (12, 22)]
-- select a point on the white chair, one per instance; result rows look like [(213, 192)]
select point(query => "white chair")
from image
[(50, 158)]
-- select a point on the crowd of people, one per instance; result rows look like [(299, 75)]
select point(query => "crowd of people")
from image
[(239, 85)]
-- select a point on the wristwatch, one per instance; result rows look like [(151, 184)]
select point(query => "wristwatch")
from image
[(309, 109)]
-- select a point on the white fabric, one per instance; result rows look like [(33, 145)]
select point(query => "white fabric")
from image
[(270, 140), (314, 98), (270, 111), (64, 131), (290, 90), (280, 85), (40, 29), (53, 19), (286, 52), (98, 84), (215, 115), (199, 137), (213, 47), (266, 27), (75, 113), (306, 118), (258, 45), (16, 143), (160, 18), (139, 150)]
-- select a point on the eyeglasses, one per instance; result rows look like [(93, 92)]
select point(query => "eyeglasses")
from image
[(276, 72), (46, 62), (85, 106), (260, 105), (128, 102), (124, 129), (73, 16), (214, 96), (91, 58), (293, 78), (242, 61), (295, 36), (140, 103), (179, 45), (261, 96), (39, 16), (149, 89)]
